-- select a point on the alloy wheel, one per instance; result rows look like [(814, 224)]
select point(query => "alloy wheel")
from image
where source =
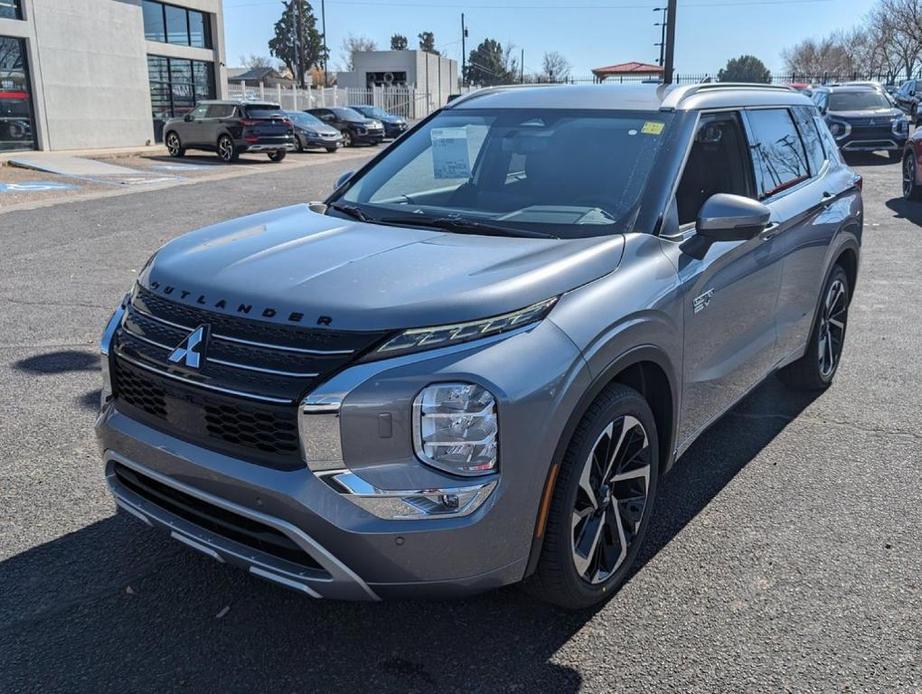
[(172, 144), (832, 328), (225, 148), (347, 139), (909, 176), (613, 493)]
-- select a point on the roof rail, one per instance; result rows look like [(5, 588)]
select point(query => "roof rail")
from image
[(499, 88), (679, 94)]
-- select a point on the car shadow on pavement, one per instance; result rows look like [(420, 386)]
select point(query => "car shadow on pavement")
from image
[(116, 606), (869, 159), (906, 209), (59, 362)]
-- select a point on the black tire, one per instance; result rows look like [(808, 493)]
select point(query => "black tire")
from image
[(227, 150), (278, 155), (557, 578), (332, 149), (817, 368), (174, 145), (911, 188), (299, 145), (347, 139)]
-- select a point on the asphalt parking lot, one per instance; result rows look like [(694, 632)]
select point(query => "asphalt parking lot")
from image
[(786, 553)]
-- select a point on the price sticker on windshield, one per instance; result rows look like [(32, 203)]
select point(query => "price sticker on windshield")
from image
[(450, 158), (652, 127)]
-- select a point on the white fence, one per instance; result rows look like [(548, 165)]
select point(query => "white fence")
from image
[(408, 102)]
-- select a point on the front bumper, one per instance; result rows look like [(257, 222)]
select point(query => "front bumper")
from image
[(320, 141), (350, 553), (369, 137)]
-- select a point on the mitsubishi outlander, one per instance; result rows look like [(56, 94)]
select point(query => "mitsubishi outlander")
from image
[(473, 363)]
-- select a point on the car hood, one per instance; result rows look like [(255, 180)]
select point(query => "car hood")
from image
[(323, 129), (869, 113), (292, 264)]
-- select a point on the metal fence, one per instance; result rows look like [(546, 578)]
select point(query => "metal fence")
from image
[(405, 101), (787, 78)]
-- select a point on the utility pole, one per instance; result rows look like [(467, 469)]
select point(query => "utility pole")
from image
[(299, 29), (522, 68), (662, 38), (323, 28), (463, 52), (669, 64)]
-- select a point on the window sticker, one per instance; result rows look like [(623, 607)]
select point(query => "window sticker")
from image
[(652, 127), (450, 158)]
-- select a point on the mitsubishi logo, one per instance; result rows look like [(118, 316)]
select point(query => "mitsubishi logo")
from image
[(191, 351)]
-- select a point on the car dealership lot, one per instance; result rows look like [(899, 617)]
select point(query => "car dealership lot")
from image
[(786, 554)]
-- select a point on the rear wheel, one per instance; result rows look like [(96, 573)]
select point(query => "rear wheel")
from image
[(277, 155), (816, 369), (602, 502), (227, 150), (911, 188), (174, 146)]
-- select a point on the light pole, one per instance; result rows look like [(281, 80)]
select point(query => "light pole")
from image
[(662, 40), (669, 60), (323, 28), (463, 52)]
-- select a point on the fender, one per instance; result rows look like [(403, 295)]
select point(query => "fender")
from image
[(635, 355)]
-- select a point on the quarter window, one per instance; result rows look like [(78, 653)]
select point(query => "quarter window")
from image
[(806, 121), (777, 151)]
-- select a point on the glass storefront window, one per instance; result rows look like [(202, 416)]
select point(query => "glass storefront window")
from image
[(17, 126), (172, 24), (176, 85), (10, 9)]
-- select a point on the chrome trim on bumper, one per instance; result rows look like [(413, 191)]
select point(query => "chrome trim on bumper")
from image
[(863, 146), (407, 504), (288, 147), (258, 563)]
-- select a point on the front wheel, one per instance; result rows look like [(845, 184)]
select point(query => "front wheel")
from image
[(911, 188), (277, 155), (347, 139), (816, 369), (602, 502), (174, 146), (227, 150)]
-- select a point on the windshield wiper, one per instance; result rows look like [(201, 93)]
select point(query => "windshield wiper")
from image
[(351, 210), (462, 225)]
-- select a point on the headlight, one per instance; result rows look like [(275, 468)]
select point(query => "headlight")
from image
[(900, 125), (455, 428), (839, 129), (360, 131), (309, 133), (417, 339)]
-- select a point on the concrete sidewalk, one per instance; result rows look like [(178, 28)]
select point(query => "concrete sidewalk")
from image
[(105, 153)]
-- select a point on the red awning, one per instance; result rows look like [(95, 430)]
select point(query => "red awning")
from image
[(632, 68)]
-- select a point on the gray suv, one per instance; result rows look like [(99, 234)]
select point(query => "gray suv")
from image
[(474, 362)]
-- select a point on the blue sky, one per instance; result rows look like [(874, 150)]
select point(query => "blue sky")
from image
[(590, 33)]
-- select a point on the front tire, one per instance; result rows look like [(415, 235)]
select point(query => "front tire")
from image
[(602, 503), (816, 369), (331, 150), (911, 188), (347, 139), (278, 155), (174, 145), (227, 150)]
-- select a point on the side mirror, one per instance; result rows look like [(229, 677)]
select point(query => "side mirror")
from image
[(188, 118), (725, 217), (342, 180)]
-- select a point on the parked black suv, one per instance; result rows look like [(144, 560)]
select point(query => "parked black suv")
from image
[(356, 128), (907, 98), (394, 125), (863, 119), (231, 128)]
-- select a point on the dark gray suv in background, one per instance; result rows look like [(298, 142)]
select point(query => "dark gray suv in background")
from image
[(472, 365)]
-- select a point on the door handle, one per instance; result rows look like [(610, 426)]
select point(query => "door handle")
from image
[(769, 232), (827, 199)]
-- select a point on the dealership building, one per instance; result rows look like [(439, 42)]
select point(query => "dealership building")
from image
[(80, 74)]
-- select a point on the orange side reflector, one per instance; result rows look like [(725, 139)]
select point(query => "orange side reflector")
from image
[(546, 501)]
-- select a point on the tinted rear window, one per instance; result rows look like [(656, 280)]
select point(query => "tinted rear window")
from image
[(264, 111)]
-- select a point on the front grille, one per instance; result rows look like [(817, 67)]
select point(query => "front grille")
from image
[(243, 398), (227, 524), (263, 433)]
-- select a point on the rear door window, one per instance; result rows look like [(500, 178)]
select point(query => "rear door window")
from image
[(777, 151), (220, 111)]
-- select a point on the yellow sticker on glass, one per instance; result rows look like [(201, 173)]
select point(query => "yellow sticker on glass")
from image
[(652, 127)]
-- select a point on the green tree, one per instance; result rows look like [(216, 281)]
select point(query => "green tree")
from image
[(489, 64), (297, 43), (427, 42), (398, 42), (746, 68)]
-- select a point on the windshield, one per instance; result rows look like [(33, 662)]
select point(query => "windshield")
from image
[(305, 119), (558, 172), (373, 111), (347, 114), (858, 101)]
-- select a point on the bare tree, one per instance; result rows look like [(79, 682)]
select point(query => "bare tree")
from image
[(556, 68), (830, 55), (355, 44), (897, 25), (252, 60)]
